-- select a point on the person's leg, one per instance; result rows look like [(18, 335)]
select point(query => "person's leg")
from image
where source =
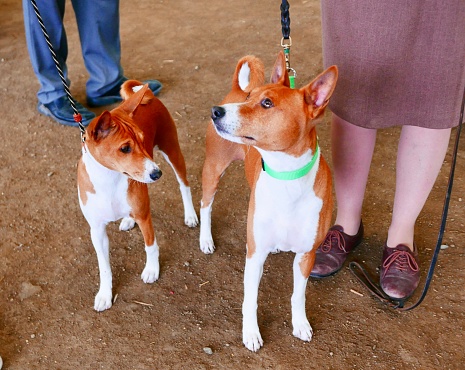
[(51, 87), (98, 24), (352, 151), (420, 156), (53, 101)]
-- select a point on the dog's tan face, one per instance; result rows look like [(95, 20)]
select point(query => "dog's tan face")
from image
[(262, 118), (119, 145), (265, 115)]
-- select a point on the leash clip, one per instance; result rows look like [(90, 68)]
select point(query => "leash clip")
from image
[(286, 44)]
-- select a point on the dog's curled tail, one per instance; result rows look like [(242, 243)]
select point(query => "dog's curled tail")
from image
[(130, 87), (249, 74)]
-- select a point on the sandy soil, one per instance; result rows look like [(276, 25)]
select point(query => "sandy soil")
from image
[(48, 268)]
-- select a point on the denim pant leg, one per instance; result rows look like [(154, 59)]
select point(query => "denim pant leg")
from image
[(98, 24), (43, 65)]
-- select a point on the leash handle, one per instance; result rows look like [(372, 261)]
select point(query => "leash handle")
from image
[(373, 288), (285, 19), (77, 116), (286, 40)]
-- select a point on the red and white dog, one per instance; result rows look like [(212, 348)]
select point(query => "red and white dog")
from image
[(272, 128), (114, 170)]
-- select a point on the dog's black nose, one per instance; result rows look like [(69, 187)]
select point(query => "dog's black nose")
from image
[(155, 175), (218, 112)]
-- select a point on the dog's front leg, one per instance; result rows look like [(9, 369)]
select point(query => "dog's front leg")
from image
[(103, 299), (252, 275), (300, 324), (152, 265)]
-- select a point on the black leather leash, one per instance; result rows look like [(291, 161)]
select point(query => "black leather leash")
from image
[(368, 282), (77, 116)]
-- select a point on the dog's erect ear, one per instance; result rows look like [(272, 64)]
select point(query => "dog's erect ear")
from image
[(249, 74), (318, 92), (279, 74), (103, 126), (130, 105)]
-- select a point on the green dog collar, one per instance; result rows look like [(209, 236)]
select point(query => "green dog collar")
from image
[(292, 175)]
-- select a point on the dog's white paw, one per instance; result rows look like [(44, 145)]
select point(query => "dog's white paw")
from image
[(127, 223), (103, 301), (252, 340), (191, 220), (207, 246), (150, 274), (303, 330)]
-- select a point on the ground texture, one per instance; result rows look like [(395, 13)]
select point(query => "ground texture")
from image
[(48, 268)]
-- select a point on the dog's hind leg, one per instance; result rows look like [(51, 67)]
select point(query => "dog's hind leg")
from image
[(219, 155), (171, 151), (103, 299)]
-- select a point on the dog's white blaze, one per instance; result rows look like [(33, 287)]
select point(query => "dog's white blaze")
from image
[(230, 123), (149, 166), (244, 76), (137, 88), (293, 215)]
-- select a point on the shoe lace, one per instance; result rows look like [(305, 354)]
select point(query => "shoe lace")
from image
[(333, 237), (402, 261)]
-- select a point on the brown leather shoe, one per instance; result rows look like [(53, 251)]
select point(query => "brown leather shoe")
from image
[(400, 274), (332, 253)]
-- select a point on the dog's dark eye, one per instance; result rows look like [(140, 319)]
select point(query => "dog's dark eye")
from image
[(267, 103), (125, 149)]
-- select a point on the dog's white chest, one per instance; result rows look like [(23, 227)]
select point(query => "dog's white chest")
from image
[(286, 214), (108, 201)]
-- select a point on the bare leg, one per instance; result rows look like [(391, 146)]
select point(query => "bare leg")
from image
[(420, 156), (352, 151)]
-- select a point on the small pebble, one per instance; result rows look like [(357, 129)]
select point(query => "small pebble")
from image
[(1, 363), (444, 246), (187, 264), (208, 350)]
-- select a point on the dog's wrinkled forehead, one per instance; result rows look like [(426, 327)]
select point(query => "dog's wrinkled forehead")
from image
[(125, 126), (275, 92)]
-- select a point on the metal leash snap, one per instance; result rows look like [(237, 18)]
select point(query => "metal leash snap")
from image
[(286, 44)]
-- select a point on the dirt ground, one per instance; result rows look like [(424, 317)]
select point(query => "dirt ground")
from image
[(48, 268)]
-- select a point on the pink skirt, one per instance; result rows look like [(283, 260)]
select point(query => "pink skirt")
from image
[(400, 62)]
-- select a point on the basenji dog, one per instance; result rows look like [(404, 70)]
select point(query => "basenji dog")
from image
[(114, 170), (272, 128)]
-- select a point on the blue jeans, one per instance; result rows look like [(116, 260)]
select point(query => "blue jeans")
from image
[(98, 25)]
